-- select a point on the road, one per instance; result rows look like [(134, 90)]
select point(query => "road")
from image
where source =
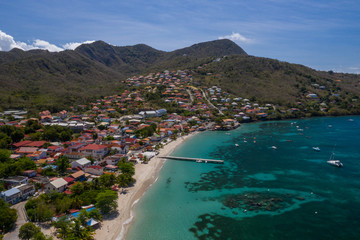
[(212, 105), (190, 94), (20, 208)]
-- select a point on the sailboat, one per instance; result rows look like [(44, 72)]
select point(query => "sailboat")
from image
[(334, 162)]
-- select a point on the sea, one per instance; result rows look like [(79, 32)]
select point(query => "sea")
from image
[(259, 192)]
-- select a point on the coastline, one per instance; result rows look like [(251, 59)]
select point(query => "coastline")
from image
[(145, 175)]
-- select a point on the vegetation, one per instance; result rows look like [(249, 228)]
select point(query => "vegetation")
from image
[(8, 217), (10, 167), (30, 231), (28, 78)]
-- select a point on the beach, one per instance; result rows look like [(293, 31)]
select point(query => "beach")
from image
[(145, 175)]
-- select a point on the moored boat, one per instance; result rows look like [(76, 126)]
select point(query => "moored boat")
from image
[(317, 149), (334, 162)]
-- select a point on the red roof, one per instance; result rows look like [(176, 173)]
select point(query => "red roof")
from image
[(95, 167), (69, 179), (29, 144), (93, 147), (22, 143)]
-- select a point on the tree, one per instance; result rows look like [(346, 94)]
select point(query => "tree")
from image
[(127, 168), (106, 201), (95, 214), (4, 155), (8, 216), (28, 231), (41, 236), (62, 164), (124, 180), (62, 227), (107, 180), (94, 136), (77, 188), (77, 231), (65, 136)]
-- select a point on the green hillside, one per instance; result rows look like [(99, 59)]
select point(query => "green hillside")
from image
[(38, 80)]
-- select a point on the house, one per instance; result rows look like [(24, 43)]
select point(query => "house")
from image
[(69, 180), (94, 170), (11, 196), (15, 181), (81, 163), (94, 150), (59, 185), (29, 173), (111, 168), (78, 176), (26, 190), (311, 95)]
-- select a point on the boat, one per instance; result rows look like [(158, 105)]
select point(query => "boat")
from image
[(334, 162), (274, 147), (317, 149), (236, 145), (227, 133)]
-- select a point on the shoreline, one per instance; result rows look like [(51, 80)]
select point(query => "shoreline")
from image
[(145, 175)]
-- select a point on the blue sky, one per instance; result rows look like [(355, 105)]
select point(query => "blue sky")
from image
[(324, 35)]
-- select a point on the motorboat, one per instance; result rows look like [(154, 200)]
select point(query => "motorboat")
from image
[(274, 147), (317, 149), (236, 145), (334, 162)]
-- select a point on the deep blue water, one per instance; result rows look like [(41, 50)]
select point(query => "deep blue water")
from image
[(259, 193)]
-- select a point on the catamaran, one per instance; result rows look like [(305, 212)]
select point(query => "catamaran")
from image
[(334, 162)]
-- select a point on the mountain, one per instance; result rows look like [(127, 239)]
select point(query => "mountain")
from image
[(39, 79)]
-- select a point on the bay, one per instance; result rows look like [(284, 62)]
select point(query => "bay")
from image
[(259, 192)]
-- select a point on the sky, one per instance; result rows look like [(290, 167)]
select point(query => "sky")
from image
[(321, 34)]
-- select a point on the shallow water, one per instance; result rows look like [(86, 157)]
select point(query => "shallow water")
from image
[(259, 192)]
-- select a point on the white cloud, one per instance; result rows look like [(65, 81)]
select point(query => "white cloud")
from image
[(41, 44), (7, 43), (74, 45), (237, 37)]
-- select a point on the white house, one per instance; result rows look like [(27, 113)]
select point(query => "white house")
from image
[(94, 150), (81, 163), (94, 170), (58, 185)]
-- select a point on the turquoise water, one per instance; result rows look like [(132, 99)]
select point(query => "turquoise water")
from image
[(259, 193)]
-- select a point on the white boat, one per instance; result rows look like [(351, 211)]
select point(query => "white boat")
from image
[(236, 145), (317, 149), (274, 147), (334, 162)]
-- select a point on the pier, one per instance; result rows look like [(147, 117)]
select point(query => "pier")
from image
[(199, 160)]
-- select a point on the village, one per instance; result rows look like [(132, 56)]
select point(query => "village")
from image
[(91, 141)]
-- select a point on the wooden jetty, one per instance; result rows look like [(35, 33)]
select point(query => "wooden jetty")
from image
[(199, 160)]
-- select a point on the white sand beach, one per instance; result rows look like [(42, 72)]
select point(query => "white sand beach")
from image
[(145, 175)]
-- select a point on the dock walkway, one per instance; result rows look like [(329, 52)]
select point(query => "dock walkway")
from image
[(199, 160)]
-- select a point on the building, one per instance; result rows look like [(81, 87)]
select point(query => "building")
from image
[(11, 196), (95, 150), (81, 163), (58, 185), (94, 170), (26, 190), (15, 181)]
